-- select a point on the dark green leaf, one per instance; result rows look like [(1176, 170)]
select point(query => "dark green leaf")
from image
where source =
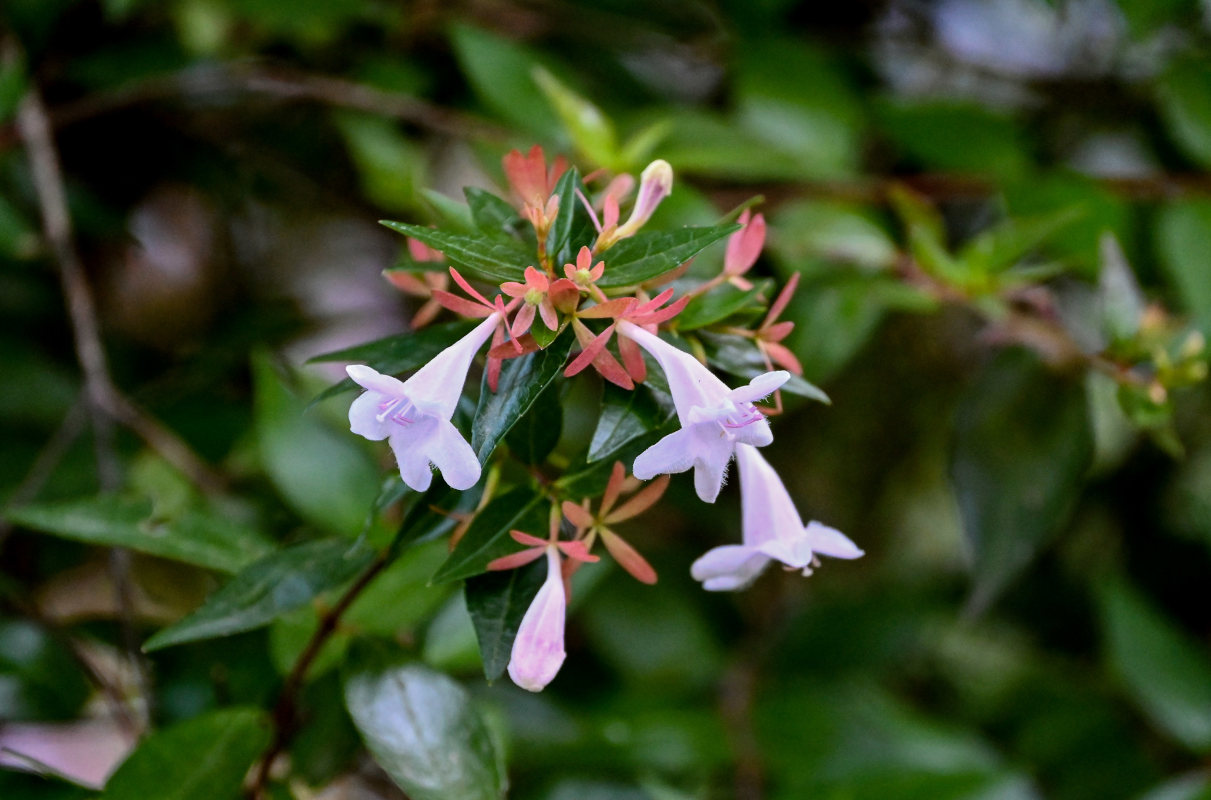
[(324, 475), (535, 435), (649, 254), (491, 214), (421, 728), (488, 537), (494, 259), (273, 586), (203, 759), (1165, 670), (395, 354), (719, 304), (625, 416), (497, 601), (195, 537), (559, 237), (522, 380), (1022, 447)]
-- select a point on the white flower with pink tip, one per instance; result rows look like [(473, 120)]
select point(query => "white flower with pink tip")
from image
[(714, 419), (414, 415), (772, 531)]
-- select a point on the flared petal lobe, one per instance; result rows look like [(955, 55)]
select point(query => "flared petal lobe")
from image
[(414, 415)]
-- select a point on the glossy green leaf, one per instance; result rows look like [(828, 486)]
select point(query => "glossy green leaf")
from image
[(1183, 239), (494, 259), (395, 354), (535, 434), (434, 513), (205, 758), (1167, 672), (496, 602), (488, 536), (323, 474), (522, 381), (1022, 447), (422, 728), (448, 214), (275, 585), (649, 254), (625, 417), (194, 537), (490, 213), (720, 303), (571, 212)]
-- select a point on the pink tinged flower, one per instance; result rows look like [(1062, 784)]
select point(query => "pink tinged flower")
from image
[(714, 419), (538, 651), (743, 247), (772, 531), (530, 178), (414, 415)]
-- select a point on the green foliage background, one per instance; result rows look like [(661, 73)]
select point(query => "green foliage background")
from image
[(1031, 619)]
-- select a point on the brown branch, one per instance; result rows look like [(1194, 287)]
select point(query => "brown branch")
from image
[(285, 712), (285, 84)]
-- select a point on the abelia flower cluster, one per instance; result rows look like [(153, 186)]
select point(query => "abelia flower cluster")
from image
[(715, 423)]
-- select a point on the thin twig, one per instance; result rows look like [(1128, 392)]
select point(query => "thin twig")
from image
[(285, 712), (210, 81)]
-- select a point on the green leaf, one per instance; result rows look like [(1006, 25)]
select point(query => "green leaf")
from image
[(1166, 671), (491, 214), (501, 72), (795, 100), (839, 232), (395, 354), (1004, 245), (522, 380), (570, 211), (1183, 240), (421, 728), (325, 476), (496, 602), (205, 758), (649, 254), (740, 357), (488, 536), (962, 137), (449, 215), (1184, 95), (1022, 447), (494, 259), (535, 435), (275, 585), (389, 165), (625, 417), (194, 537), (590, 130), (719, 304)]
